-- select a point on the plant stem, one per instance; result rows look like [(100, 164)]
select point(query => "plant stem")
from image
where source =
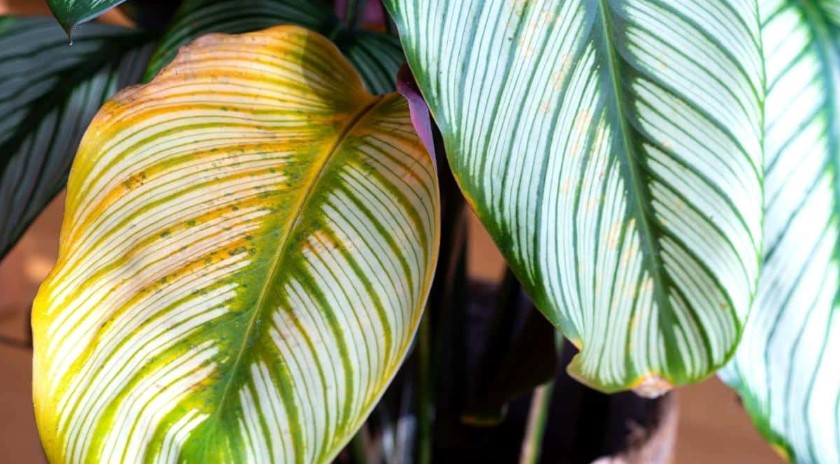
[(424, 391), (537, 419), (359, 446), (354, 14)]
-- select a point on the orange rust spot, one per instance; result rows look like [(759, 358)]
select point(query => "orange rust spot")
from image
[(547, 17), (545, 107), (566, 187), (613, 236), (557, 79), (582, 122)]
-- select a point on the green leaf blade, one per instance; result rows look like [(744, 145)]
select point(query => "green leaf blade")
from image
[(784, 368), (71, 13), (250, 242), (377, 57), (613, 150), (50, 93)]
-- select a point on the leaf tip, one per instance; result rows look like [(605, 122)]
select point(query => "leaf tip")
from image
[(64, 20), (652, 386), (782, 451)]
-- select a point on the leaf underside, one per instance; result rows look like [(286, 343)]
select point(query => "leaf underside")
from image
[(248, 245), (49, 93), (786, 366), (612, 149)]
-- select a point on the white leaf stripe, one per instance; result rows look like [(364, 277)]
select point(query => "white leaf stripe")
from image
[(783, 368), (50, 92), (613, 150), (244, 261)]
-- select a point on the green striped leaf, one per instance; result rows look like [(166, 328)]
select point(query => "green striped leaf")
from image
[(71, 13), (613, 150), (248, 245), (786, 367), (377, 57), (49, 93)]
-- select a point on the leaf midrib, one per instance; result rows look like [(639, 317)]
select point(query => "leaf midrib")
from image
[(283, 245), (630, 152)]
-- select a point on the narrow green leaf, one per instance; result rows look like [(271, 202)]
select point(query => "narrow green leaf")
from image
[(786, 366), (49, 93), (613, 150), (537, 421), (71, 13), (377, 57), (248, 246)]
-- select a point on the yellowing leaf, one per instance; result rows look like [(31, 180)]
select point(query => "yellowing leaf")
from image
[(248, 245)]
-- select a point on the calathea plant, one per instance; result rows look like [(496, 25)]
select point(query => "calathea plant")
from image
[(252, 235)]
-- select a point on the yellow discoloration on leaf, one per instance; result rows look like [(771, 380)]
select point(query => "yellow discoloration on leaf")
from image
[(652, 386), (614, 235), (781, 451), (250, 217)]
